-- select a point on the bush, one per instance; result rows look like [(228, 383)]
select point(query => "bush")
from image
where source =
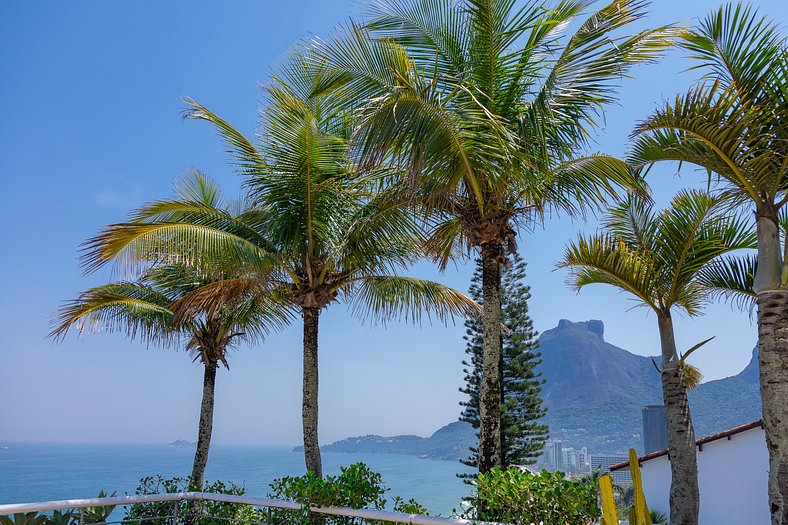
[(87, 516), (356, 487), (213, 512), (523, 498)]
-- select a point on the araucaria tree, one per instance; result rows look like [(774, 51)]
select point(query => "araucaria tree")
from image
[(663, 260), (734, 124), (316, 232), (488, 107), (522, 435)]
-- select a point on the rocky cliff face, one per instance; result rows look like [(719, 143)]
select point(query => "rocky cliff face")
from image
[(595, 391)]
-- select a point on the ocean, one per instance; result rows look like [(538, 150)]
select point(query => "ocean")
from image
[(53, 471)]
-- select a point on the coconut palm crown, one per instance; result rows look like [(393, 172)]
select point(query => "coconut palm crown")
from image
[(489, 107)]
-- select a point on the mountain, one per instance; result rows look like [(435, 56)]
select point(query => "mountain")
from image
[(449, 442), (595, 391)]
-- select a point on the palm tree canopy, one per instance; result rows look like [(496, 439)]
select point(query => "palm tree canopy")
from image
[(144, 309), (311, 231), (734, 123), (660, 258), (486, 104)]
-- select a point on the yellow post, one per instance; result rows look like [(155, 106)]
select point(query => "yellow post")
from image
[(609, 516), (642, 516)]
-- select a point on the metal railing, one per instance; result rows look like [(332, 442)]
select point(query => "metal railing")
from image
[(176, 497)]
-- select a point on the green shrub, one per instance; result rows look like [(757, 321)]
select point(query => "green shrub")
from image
[(89, 516), (213, 512), (522, 498), (98, 515), (24, 518), (410, 506), (356, 487)]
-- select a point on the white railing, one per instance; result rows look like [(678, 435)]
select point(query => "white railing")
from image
[(365, 514)]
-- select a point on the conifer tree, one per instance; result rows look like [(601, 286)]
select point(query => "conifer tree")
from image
[(522, 434)]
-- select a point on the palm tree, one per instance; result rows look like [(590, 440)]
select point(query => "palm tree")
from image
[(659, 258), (144, 309), (317, 233), (487, 106), (734, 124)]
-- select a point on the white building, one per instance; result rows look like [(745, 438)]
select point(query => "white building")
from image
[(603, 461), (733, 471)]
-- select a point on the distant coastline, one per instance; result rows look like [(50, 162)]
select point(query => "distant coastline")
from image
[(450, 442)]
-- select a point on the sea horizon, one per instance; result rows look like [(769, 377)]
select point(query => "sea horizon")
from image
[(45, 471)]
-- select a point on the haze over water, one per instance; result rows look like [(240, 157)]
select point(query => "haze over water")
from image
[(53, 471)]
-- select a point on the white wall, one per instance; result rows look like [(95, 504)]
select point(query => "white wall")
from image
[(732, 476)]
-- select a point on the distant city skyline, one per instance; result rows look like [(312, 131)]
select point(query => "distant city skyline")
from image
[(91, 104)]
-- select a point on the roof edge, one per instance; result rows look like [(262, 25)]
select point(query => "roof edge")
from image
[(698, 443)]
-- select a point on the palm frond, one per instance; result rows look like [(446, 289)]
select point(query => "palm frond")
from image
[(245, 156), (590, 182), (136, 309), (585, 76), (605, 259), (385, 297), (737, 46), (732, 279), (705, 127)]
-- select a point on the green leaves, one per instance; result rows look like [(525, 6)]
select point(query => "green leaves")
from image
[(356, 487), (485, 106), (663, 259), (138, 309), (390, 297), (733, 123), (21, 518), (521, 497)]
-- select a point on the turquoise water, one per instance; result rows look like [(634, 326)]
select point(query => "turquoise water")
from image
[(48, 471)]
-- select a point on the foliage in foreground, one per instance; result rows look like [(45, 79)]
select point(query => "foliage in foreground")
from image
[(356, 487), (214, 512), (87, 516), (522, 498)]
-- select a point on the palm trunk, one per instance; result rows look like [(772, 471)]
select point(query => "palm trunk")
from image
[(773, 362), (206, 427), (204, 432), (490, 389), (773, 359), (310, 390), (684, 493)]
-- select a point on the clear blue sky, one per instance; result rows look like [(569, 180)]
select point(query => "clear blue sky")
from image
[(90, 127)]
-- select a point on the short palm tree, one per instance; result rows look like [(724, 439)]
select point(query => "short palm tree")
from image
[(314, 234), (144, 309), (734, 124), (659, 258), (488, 106)]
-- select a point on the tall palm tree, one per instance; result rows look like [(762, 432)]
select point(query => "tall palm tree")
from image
[(659, 258), (144, 309), (316, 232), (734, 124), (488, 107)]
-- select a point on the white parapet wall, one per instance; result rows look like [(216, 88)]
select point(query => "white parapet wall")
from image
[(732, 476)]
